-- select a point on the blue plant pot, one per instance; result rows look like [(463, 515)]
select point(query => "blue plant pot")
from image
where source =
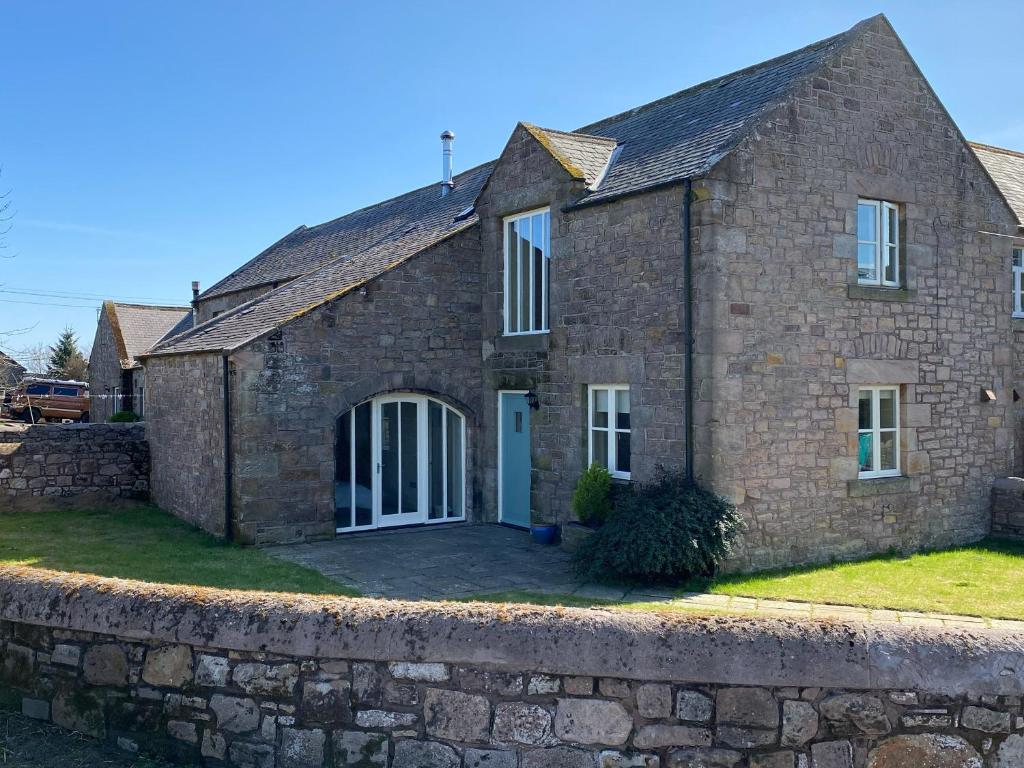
[(544, 534)]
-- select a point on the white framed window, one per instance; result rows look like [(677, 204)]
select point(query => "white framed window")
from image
[(527, 253), (609, 430), (878, 243), (878, 434), (1018, 288)]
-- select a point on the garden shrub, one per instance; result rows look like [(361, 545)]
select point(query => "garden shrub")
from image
[(123, 416), (668, 530), (591, 501)]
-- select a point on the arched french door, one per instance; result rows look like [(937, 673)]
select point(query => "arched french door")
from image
[(399, 460)]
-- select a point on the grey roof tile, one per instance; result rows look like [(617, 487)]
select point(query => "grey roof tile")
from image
[(137, 327), (685, 134), (677, 137), (418, 220), (1007, 170), (585, 157)]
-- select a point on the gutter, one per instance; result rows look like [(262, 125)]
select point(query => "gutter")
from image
[(228, 517), (688, 325)]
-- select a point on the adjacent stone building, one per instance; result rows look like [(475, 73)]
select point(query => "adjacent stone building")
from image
[(813, 234), (123, 331), (1007, 170)]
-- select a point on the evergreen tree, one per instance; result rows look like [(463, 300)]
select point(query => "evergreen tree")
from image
[(66, 359)]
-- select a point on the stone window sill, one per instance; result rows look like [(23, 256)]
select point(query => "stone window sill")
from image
[(879, 486), (524, 342), (877, 293)]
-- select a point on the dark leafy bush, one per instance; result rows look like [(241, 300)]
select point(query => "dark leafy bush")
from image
[(122, 416), (664, 531), (592, 500)]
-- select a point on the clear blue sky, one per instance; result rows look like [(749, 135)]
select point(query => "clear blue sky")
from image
[(150, 144)]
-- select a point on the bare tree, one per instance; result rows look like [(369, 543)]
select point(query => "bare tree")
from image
[(6, 218)]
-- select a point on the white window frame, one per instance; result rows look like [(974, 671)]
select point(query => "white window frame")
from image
[(876, 431), (882, 242), (546, 234), (1017, 262), (611, 430), (422, 514)]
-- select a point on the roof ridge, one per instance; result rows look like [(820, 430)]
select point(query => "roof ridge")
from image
[(539, 134), (574, 134), (823, 43), (185, 308), (252, 303), (411, 192), (994, 148)]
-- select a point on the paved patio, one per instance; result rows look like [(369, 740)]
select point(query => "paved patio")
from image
[(462, 560), (448, 561)]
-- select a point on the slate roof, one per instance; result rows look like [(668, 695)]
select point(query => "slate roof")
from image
[(137, 327), (677, 137), (585, 157), (683, 135), (1007, 170), (416, 221)]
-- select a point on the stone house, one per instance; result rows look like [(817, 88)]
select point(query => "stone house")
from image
[(1007, 170), (785, 281), (117, 380)]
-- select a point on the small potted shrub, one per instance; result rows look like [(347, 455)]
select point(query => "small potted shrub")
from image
[(591, 505), (544, 531)]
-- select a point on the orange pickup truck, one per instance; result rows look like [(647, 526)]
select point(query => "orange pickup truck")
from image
[(35, 400)]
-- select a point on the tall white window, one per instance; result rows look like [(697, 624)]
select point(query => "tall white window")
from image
[(878, 243), (527, 253), (1018, 287), (878, 439), (609, 429)]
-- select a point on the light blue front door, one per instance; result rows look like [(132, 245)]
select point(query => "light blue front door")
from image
[(514, 459)]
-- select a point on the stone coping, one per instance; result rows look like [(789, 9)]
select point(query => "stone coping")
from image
[(602, 643)]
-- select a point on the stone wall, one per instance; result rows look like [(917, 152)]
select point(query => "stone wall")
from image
[(1008, 508), (105, 372), (1018, 382), (47, 465), (206, 309), (413, 329), (787, 336), (259, 681), (185, 424), (616, 298)]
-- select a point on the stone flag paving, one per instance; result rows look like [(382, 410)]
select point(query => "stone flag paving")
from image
[(453, 562)]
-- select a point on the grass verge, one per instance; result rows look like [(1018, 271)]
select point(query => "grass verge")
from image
[(148, 544), (983, 579)]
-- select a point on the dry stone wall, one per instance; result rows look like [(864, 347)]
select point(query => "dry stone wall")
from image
[(262, 681), (50, 464)]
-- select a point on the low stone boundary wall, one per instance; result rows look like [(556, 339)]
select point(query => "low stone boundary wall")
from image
[(275, 681), (47, 465), (1008, 508)]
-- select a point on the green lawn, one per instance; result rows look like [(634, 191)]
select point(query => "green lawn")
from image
[(986, 579), (148, 544), (145, 543)]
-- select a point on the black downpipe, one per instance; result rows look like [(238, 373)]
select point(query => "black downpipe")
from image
[(228, 523), (688, 321)]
